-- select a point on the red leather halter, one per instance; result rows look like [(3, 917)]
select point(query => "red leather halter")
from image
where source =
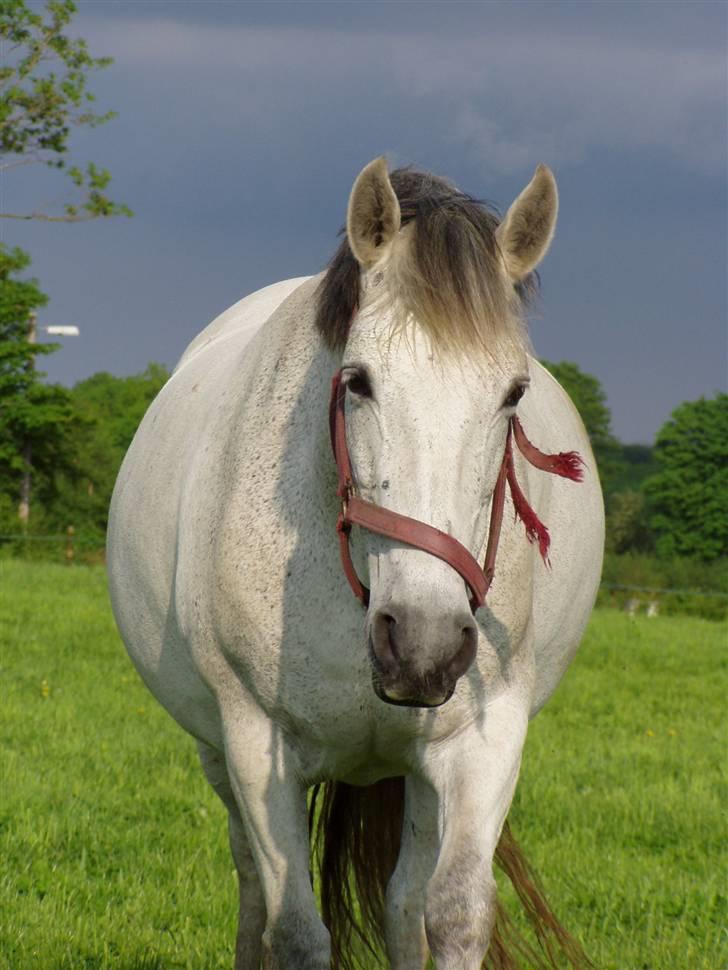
[(412, 532)]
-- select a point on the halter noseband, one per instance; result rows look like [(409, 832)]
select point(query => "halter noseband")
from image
[(412, 532)]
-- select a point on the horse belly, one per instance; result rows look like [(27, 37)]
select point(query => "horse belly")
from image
[(143, 553), (146, 543)]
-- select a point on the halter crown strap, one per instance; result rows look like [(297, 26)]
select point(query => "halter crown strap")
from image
[(420, 535)]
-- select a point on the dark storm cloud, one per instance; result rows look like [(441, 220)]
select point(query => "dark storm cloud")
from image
[(242, 126)]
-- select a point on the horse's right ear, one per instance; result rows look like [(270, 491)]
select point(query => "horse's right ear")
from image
[(373, 217)]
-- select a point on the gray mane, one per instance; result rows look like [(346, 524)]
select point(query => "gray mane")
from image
[(448, 278)]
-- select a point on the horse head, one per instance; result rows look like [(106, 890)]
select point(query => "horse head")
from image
[(434, 362)]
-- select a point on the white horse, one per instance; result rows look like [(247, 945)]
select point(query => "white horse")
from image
[(229, 593)]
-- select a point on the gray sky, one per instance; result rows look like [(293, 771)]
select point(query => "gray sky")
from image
[(242, 126)]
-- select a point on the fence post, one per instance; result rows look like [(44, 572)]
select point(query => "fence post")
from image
[(69, 545)]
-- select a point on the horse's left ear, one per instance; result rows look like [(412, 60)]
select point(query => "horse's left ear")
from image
[(373, 217), (525, 234)]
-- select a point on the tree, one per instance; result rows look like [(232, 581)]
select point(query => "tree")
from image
[(43, 97), (627, 529), (627, 519), (688, 497), (590, 400), (639, 464), (34, 416), (108, 410)]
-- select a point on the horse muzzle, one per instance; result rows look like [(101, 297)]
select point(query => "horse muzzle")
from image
[(417, 658)]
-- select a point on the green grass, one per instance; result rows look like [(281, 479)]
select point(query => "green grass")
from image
[(113, 850)]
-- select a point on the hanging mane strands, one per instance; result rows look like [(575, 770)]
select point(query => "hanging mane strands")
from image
[(445, 273)]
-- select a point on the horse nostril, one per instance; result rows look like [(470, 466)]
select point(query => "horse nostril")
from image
[(469, 632), (384, 641), (466, 653), (391, 631)]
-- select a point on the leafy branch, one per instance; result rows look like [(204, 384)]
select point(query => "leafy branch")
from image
[(43, 97)]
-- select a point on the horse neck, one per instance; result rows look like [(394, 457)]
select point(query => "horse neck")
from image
[(289, 410)]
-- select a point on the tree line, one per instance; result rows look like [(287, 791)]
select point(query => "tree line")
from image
[(669, 498), (66, 444)]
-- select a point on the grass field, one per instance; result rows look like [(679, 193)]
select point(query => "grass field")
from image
[(113, 851)]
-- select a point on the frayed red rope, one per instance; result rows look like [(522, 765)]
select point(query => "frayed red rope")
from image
[(536, 531), (567, 464)]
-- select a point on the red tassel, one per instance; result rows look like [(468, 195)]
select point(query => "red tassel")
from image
[(568, 464), (535, 529)]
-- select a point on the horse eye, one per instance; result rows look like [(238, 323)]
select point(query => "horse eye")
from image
[(358, 383), (514, 396)]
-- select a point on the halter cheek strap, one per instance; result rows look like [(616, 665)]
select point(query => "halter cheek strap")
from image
[(412, 532)]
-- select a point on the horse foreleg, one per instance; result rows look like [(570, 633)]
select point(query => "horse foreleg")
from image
[(474, 780), (407, 947), (251, 917), (272, 801)]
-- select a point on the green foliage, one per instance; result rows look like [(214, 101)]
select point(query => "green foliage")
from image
[(43, 97), (638, 463), (688, 497), (76, 438), (588, 396), (18, 297), (108, 411), (114, 847), (626, 524), (627, 515), (33, 415)]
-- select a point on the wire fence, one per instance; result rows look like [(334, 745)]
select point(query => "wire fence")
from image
[(32, 538), (70, 544), (664, 590)]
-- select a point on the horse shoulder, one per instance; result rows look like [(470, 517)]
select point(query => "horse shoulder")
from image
[(244, 317)]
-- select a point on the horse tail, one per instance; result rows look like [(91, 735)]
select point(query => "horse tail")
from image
[(356, 841), (356, 833), (507, 944)]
